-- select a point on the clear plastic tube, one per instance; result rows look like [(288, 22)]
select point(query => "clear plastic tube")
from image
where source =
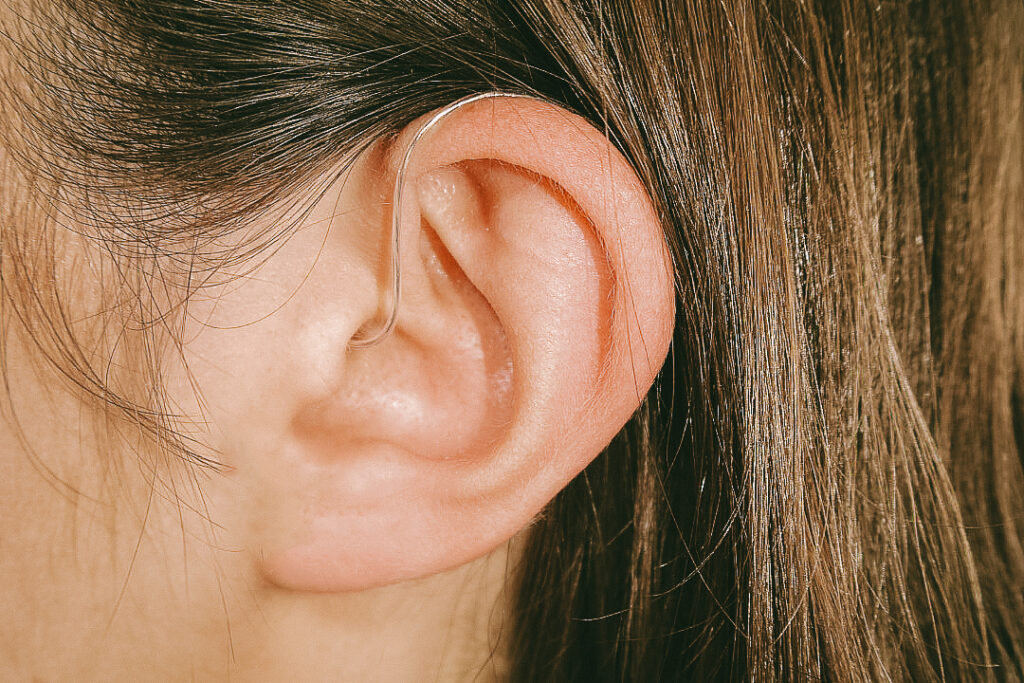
[(367, 341)]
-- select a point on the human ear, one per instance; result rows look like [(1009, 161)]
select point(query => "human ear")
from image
[(537, 307)]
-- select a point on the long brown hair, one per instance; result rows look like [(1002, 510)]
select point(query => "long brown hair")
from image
[(826, 481)]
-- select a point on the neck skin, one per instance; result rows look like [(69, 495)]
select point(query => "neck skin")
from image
[(106, 581)]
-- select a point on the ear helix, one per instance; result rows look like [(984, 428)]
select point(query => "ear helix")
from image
[(365, 341)]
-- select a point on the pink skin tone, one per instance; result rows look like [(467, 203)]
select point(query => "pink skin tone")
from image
[(369, 514)]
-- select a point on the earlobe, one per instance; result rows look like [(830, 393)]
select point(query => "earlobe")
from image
[(536, 313)]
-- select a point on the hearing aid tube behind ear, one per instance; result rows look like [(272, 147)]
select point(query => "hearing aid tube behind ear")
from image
[(368, 340)]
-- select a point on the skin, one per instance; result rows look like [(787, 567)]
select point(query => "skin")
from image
[(141, 586), (371, 503)]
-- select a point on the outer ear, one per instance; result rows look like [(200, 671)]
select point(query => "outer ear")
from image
[(536, 314)]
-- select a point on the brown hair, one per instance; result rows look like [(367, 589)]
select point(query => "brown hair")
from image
[(826, 481)]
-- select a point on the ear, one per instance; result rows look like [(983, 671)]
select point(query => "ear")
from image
[(537, 308)]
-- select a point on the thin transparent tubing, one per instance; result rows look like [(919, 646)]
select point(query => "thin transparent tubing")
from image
[(365, 342)]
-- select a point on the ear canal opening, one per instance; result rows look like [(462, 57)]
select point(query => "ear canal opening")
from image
[(394, 289)]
